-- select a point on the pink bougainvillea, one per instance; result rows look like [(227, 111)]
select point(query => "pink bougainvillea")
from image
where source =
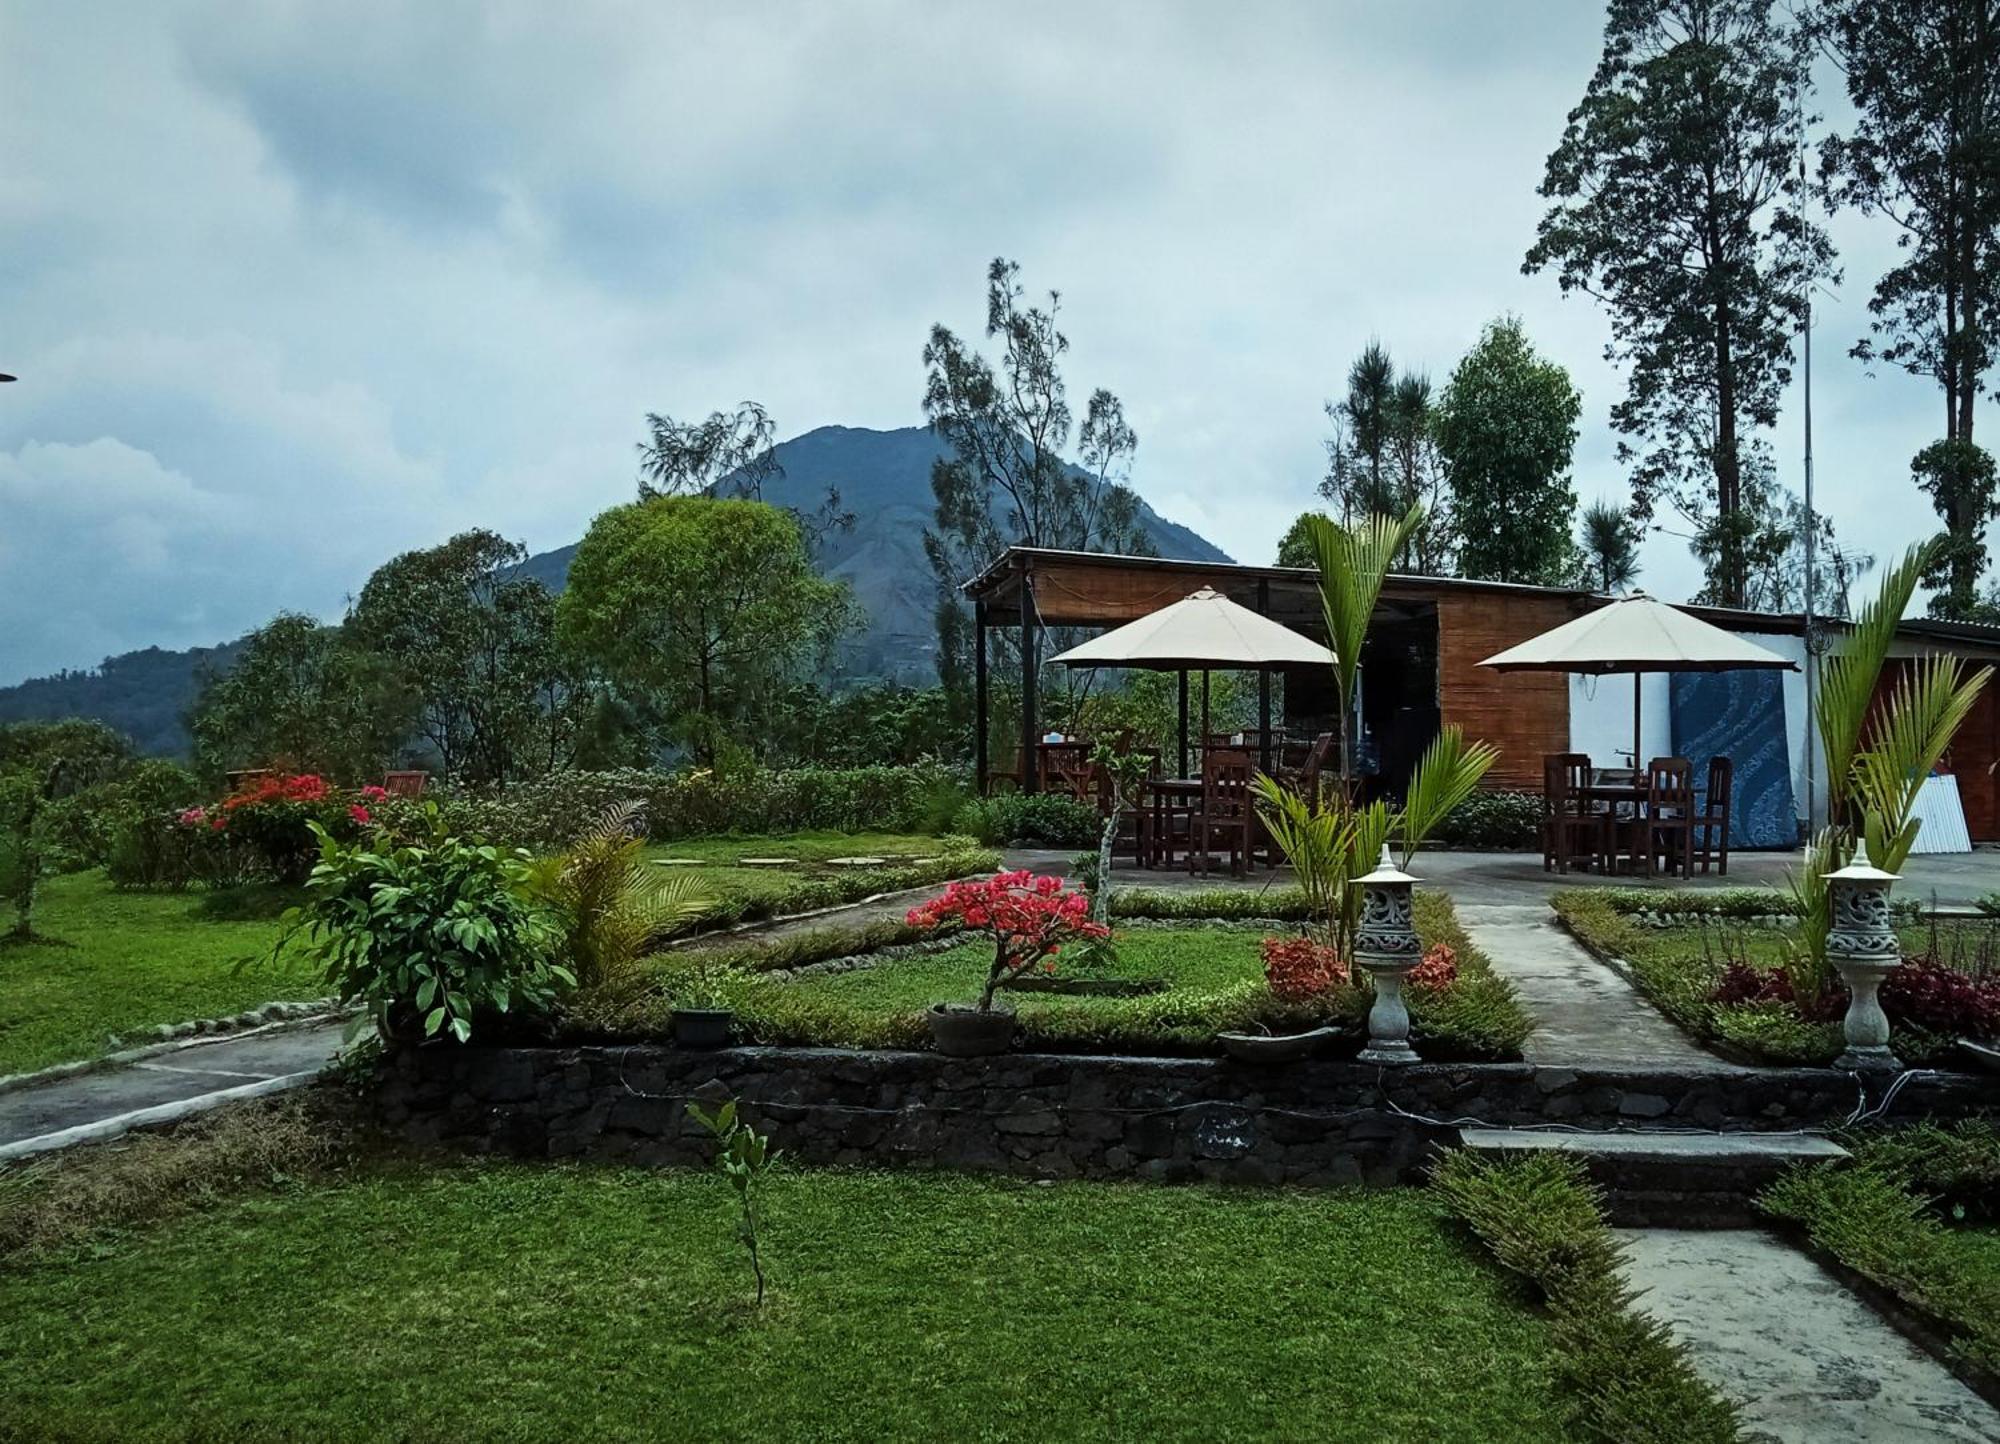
[(1028, 918)]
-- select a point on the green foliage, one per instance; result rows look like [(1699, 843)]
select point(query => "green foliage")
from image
[(472, 642), (53, 778), (1868, 1218), (610, 903), (1775, 1033), (83, 829), (1608, 548), (1962, 482), (1503, 821), (1955, 1165), (1295, 547), (868, 726), (1352, 563), (1630, 1383), (426, 935), (744, 1157), (1720, 902), (1447, 776), (699, 607), (301, 696), (1029, 819), (1674, 200), (1506, 428)]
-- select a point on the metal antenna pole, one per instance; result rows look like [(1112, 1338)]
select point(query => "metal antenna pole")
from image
[(1812, 526)]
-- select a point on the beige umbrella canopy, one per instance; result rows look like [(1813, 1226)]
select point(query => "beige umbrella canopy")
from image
[(1199, 631), (1636, 634)]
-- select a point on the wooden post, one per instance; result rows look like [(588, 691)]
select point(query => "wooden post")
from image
[(1183, 712), (1031, 735), (981, 764), (1264, 688)]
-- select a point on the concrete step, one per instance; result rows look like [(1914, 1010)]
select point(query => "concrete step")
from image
[(1670, 1180)]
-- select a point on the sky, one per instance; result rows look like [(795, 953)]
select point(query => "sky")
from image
[(292, 287)]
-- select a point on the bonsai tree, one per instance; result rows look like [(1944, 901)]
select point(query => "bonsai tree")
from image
[(1029, 920), (1126, 770)]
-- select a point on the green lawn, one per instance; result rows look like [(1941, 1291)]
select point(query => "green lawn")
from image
[(119, 962), (749, 892), (529, 1302)]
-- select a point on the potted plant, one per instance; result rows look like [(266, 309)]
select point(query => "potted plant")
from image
[(703, 1010), (1299, 972), (1029, 920)]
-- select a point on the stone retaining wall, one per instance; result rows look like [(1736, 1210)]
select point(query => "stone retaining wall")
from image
[(1062, 1116)]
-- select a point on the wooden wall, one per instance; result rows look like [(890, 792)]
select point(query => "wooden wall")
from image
[(1524, 714), (1972, 752)]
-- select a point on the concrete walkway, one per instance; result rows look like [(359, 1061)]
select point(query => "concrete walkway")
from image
[(106, 1103), (1583, 1012), (1802, 1357)]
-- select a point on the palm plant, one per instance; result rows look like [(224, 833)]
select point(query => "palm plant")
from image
[(1610, 556), (611, 904), (1353, 561)]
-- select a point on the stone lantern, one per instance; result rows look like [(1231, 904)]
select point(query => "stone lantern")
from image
[(1386, 947), (1862, 946)]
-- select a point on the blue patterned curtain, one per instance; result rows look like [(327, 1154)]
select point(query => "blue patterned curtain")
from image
[(1741, 716)]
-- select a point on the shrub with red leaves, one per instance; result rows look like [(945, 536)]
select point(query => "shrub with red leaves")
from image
[(1299, 969), (1925, 993), (1438, 970), (273, 817), (1029, 918)]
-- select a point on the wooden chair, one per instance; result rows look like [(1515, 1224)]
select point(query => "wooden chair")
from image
[(1225, 811), (1574, 829), (404, 784), (1711, 822), (1068, 770), (1667, 829)]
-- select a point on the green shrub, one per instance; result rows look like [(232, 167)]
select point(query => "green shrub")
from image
[(1989, 904), (1775, 1033), (1502, 821), (554, 811), (609, 904), (1542, 1218), (1286, 904), (82, 830), (158, 850), (426, 935), (1867, 1218), (1038, 819), (1956, 1164)]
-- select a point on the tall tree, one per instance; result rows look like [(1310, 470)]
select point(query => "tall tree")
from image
[(301, 695), (1608, 540), (1005, 478), (1961, 481), (700, 609), (1506, 427), (1674, 196), (730, 454), (1924, 77), (1383, 457), (474, 642)]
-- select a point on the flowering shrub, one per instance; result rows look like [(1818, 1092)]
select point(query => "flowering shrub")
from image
[(1029, 919), (1299, 969), (1437, 971), (273, 818)]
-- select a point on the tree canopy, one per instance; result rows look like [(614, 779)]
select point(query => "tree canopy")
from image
[(1506, 427)]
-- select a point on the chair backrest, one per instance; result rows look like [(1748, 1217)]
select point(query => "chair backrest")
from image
[(1565, 777), (1721, 774), (404, 784), (1225, 784), (1669, 783), (1320, 754)]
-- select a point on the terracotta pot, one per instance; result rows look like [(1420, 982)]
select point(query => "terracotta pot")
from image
[(961, 1032)]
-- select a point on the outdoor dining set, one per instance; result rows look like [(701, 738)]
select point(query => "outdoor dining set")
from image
[(1641, 821)]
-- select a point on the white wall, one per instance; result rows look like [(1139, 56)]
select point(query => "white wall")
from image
[(1600, 716)]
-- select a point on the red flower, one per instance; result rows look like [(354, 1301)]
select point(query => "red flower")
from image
[(358, 813), (1029, 919), (1438, 970), (1299, 969)]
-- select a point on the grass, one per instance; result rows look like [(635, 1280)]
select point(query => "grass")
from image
[(1678, 966), (117, 963), (1214, 980), (530, 1302), (746, 894), (1626, 1378)]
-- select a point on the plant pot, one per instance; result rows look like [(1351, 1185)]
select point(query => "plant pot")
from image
[(1269, 1048), (961, 1032), (702, 1027)]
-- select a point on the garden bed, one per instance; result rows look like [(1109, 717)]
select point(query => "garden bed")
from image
[(1679, 949), (510, 1301)]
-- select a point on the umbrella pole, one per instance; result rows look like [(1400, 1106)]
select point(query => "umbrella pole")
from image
[(1204, 711), (1638, 757), (1183, 722)]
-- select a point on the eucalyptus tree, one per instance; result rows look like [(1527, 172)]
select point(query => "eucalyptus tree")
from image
[(1674, 201)]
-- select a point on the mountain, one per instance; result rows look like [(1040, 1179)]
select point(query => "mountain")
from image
[(884, 479)]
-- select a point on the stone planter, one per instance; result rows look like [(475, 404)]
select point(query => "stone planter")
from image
[(702, 1027), (1268, 1049), (961, 1032)]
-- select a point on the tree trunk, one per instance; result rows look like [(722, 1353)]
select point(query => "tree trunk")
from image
[(1728, 467)]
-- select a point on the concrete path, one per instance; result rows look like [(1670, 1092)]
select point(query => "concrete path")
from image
[(1583, 1012), (1802, 1357), (158, 1089)]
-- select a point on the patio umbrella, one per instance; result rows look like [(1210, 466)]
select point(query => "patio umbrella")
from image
[(1636, 634), (1199, 632)]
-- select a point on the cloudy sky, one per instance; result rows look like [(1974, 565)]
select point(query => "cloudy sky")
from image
[(293, 286)]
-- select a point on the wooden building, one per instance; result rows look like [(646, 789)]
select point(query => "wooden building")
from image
[(1421, 669)]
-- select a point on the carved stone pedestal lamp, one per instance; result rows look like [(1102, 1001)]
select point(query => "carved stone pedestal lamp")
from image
[(1862, 946), (1386, 947)]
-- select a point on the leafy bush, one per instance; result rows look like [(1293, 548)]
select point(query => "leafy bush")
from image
[(1957, 1165), (556, 810), (609, 903), (280, 818), (1775, 1032), (161, 851), (1282, 904), (1029, 819), (1298, 969), (1630, 1382), (1501, 821), (83, 829), (1867, 1218), (1989, 904), (426, 935)]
